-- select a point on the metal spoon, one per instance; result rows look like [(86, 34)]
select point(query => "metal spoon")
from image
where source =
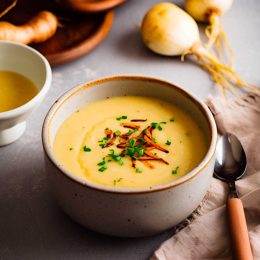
[(230, 165)]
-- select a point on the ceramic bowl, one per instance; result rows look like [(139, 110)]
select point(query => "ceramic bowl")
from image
[(30, 63), (120, 211)]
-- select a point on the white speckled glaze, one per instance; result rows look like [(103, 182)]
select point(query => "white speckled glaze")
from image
[(30, 63), (119, 211)]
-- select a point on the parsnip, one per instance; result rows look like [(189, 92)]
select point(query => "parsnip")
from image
[(40, 28), (210, 11), (168, 30)]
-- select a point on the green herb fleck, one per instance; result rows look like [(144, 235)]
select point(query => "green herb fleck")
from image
[(158, 125), (121, 117), (86, 149), (168, 142), (115, 157), (139, 170), (172, 120), (70, 148), (103, 168), (154, 140), (117, 133), (142, 140), (101, 163), (175, 171), (134, 151), (103, 142)]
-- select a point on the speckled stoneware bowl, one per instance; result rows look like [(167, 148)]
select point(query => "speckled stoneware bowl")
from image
[(120, 211)]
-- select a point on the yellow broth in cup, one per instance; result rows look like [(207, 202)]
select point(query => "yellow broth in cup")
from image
[(15, 90)]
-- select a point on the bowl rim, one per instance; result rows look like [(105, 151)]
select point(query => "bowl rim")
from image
[(88, 184), (41, 93)]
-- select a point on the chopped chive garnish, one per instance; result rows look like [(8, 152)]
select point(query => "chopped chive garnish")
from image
[(158, 125), (154, 140), (172, 120), (86, 149), (101, 163), (115, 157), (117, 133), (168, 142), (139, 170), (142, 140), (103, 168), (121, 117), (175, 171), (103, 142)]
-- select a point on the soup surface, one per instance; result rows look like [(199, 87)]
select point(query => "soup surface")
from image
[(130, 142), (15, 90)]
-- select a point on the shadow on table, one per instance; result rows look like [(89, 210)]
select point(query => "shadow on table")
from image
[(130, 44), (33, 227)]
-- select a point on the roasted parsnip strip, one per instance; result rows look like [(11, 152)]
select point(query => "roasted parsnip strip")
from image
[(148, 158), (138, 120), (149, 148), (122, 145), (130, 125), (147, 164), (148, 131), (150, 142), (151, 154), (133, 162), (110, 142), (109, 133)]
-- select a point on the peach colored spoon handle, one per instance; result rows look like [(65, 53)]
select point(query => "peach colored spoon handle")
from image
[(238, 229)]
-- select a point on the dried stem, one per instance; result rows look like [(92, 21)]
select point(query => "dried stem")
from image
[(222, 75), (11, 6)]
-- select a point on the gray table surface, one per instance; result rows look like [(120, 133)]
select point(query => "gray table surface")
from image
[(31, 225)]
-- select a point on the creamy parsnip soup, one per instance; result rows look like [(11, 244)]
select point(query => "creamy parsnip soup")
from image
[(130, 142)]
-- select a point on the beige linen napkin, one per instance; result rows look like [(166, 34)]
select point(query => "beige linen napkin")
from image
[(206, 236)]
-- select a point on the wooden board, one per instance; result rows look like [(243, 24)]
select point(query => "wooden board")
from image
[(76, 36), (90, 6)]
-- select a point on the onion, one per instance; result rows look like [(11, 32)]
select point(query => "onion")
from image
[(210, 11), (168, 30)]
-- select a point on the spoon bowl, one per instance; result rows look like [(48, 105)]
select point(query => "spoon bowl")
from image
[(231, 162)]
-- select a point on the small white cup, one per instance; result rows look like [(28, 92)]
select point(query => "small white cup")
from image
[(31, 64)]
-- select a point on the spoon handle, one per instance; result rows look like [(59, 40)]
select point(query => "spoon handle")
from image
[(238, 229)]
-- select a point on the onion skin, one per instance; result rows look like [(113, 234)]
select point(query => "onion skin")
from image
[(201, 10), (168, 30), (40, 28)]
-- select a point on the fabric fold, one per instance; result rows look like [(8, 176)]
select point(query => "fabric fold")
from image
[(206, 234)]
